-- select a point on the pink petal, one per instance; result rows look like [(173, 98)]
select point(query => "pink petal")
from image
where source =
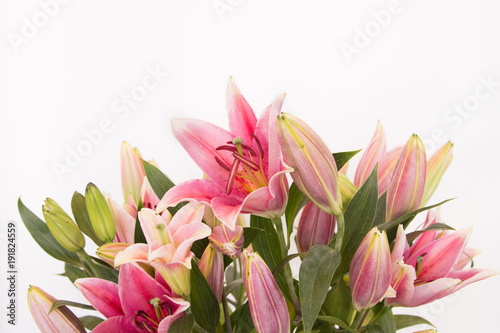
[(199, 190), (386, 169), (372, 155), (402, 279), (190, 213), (429, 292), (315, 227), (227, 210), (118, 324), (465, 258), (471, 275), (102, 295), (187, 235), (400, 246), (136, 252), (242, 119), (125, 223), (149, 224)]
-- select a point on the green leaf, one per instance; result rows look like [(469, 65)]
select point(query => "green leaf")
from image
[(199, 247), (79, 209), (372, 329), (338, 322), (204, 304), (41, 234), (138, 233), (338, 302), (391, 226), (315, 275), (267, 244), (90, 322), (283, 263), (358, 220), (241, 319), (59, 303), (249, 235), (410, 237), (296, 200), (73, 273), (403, 321), (387, 322), (182, 324), (105, 271), (343, 157), (381, 211)]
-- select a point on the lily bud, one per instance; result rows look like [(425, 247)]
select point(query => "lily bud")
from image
[(227, 241), (347, 190), (407, 184), (370, 271), (315, 171), (132, 172), (100, 215), (62, 227), (436, 166), (267, 305), (372, 155), (212, 266), (315, 227), (59, 320), (108, 252), (386, 169)]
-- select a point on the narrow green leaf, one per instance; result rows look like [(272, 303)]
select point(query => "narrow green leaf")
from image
[(381, 211), (73, 273), (199, 247), (90, 322), (249, 235), (41, 234), (241, 319), (338, 302), (138, 233), (403, 321), (105, 271), (315, 275), (358, 220), (372, 329), (343, 157), (296, 200), (59, 303), (182, 324), (410, 237), (267, 244), (338, 322), (204, 304), (79, 209), (283, 263)]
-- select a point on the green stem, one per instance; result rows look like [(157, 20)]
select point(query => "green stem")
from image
[(88, 264), (339, 237), (227, 319), (363, 317)]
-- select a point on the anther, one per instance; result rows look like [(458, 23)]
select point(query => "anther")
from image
[(232, 175), (243, 160), (222, 164), (261, 151)]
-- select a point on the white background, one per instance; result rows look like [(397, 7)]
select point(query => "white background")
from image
[(67, 75)]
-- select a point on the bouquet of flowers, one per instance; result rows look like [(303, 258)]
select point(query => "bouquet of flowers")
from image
[(216, 254)]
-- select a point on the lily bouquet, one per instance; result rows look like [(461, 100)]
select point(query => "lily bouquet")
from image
[(216, 254)]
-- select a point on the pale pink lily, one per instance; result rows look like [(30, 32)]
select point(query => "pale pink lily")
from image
[(169, 244), (227, 241), (244, 169), (433, 267), (59, 320), (138, 303)]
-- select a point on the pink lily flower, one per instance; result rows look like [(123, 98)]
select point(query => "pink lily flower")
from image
[(244, 169), (227, 241), (169, 244), (433, 267), (138, 303), (59, 320)]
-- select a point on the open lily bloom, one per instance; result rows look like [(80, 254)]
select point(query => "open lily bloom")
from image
[(138, 303), (169, 244), (435, 266), (243, 165)]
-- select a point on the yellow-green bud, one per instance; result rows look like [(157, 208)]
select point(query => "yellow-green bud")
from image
[(100, 215), (62, 227)]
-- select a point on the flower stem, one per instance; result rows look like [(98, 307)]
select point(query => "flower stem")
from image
[(363, 317), (227, 319), (339, 238)]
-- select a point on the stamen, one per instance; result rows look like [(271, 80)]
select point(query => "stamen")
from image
[(242, 159), (420, 258), (222, 164), (232, 175), (261, 151), (147, 323), (250, 150), (229, 148)]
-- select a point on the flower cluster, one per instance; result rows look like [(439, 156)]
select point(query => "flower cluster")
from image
[(186, 257)]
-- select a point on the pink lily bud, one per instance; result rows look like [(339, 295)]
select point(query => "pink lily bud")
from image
[(227, 241), (108, 252), (407, 184), (370, 271), (386, 169), (315, 171), (212, 266), (372, 155), (436, 167), (315, 227), (267, 304), (59, 320), (132, 172)]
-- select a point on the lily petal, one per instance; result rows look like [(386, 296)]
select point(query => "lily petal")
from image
[(227, 210), (242, 119), (118, 324), (102, 294), (191, 213), (136, 252), (372, 155)]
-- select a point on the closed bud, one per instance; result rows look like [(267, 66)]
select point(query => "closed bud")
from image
[(436, 167), (315, 171), (132, 172), (108, 252), (315, 227), (371, 156), (59, 320), (407, 184), (370, 271), (227, 241), (212, 266), (100, 215), (62, 227), (267, 305)]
